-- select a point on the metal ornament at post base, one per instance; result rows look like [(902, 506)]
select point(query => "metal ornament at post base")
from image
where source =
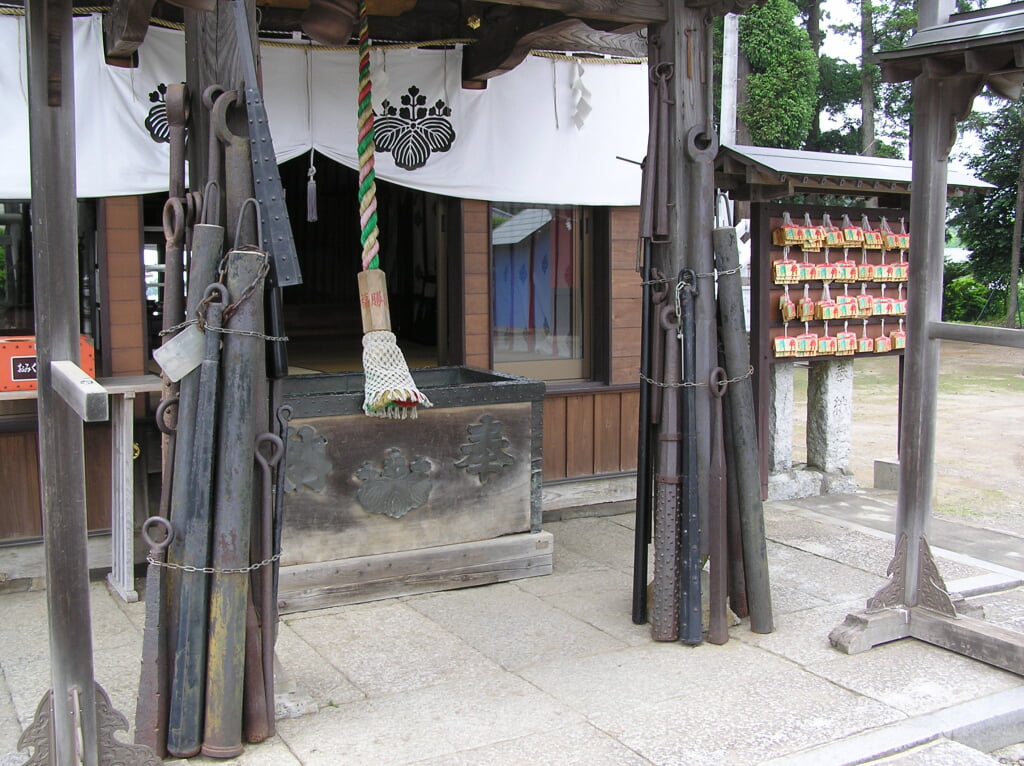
[(39, 735)]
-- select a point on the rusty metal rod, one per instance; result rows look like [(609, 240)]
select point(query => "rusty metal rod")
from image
[(152, 705), (268, 464), (665, 617)]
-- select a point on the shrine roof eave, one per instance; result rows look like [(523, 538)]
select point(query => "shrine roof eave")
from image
[(989, 43), (762, 173)]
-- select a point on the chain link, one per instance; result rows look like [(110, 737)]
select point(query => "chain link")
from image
[(1012, 761), (749, 373), (214, 570)]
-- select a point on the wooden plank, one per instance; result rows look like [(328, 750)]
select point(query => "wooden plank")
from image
[(98, 467), (579, 417), (406, 573), (607, 421), (973, 638), (629, 413), (554, 438), (626, 369), (626, 313)]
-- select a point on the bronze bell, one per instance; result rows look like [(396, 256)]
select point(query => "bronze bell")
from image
[(330, 22), (195, 5)]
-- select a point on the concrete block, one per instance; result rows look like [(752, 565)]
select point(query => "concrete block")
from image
[(887, 474), (790, 485), (840, 482)]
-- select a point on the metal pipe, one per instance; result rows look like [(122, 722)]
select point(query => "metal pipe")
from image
[(741, 403), (690, 627), (187, 685), (718, 625), (642, 532), (734, 541), (244, 362)]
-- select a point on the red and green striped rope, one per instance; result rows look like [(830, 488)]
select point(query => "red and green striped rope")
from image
[(367, 178)]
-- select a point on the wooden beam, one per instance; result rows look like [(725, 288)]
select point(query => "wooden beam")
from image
[(79, 391), (125, 26), (575, 35), (506, 34), (633, 11)]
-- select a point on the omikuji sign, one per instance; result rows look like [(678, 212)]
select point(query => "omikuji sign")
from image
[(19, 366)]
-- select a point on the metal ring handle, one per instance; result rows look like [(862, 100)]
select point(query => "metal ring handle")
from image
[(151, 524), (259, 222), (174, 220), (718, 381), (161, 412), (269, 461)]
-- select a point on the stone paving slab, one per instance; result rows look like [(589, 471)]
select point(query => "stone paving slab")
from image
[(513, 628), (387, 647), (425, 723), (552, 670), (576, 745)]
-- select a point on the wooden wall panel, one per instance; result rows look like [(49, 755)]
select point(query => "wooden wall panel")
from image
[(607, 425), (20, 503), (625, 294), (629, 424), (19, 479), (554, 438), (476, 243), (579, 416), (120, 237)]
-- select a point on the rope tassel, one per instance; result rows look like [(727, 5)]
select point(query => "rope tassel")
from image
[(390, 391)]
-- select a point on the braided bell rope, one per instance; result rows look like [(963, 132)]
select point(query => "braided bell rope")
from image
[(368, 231)]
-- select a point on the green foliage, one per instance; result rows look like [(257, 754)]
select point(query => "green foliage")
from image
[(964, 299), (985, 220), (839, 85), (783, 84)]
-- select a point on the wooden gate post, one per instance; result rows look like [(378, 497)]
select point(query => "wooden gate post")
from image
[(74, 720)]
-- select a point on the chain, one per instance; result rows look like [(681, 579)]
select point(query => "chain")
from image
[(214, 570), (716, 273), (1012, 761), (737, 379), (226, 331)]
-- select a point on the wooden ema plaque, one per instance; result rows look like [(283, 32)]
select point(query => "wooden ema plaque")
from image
[(834, 281)]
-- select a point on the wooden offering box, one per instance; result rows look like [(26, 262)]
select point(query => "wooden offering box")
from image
[(376, 508)]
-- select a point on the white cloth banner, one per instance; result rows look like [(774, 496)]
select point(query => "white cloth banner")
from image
[(519, 140)]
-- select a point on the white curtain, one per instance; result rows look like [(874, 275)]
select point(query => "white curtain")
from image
[(514, 141)]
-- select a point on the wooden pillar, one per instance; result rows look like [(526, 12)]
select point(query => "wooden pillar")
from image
[(684, 40), (61, 439), (938, 104)]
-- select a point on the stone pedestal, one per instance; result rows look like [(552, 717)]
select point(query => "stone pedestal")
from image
[(780, 417), (829, 414)]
